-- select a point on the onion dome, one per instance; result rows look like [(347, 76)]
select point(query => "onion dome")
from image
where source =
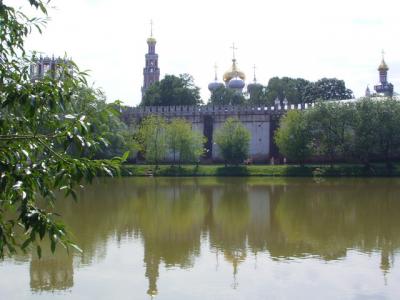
[(233, 72), (213, 86), (151, 40), (383, 66), (236, 83)]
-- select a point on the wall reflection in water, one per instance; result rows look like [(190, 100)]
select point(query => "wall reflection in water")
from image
[(236, 216)]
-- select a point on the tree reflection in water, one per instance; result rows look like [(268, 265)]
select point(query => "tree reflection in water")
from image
[(172, 216)]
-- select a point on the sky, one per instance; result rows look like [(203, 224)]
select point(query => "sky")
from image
[(309, 39)]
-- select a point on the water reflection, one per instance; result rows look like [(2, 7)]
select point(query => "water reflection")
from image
[(172, 217)]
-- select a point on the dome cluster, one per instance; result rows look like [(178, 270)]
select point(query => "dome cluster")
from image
[(234, 79)]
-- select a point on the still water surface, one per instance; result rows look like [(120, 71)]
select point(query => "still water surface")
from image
[(221, 238)]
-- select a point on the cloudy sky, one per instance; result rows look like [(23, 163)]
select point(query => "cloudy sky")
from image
[(309, 39)]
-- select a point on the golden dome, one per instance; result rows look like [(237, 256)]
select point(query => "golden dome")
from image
[(383, 66), (151, 40), (233, 72)]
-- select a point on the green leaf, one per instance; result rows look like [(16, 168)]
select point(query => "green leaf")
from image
[(26, 244), (39, 251), (125, 156), (53, 246)]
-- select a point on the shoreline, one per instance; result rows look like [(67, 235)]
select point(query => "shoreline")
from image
[(310, 170)]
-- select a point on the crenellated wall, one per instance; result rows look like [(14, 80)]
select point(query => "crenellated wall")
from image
[(261, 121)]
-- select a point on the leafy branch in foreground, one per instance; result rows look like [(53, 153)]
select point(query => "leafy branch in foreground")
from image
[(39, 125)]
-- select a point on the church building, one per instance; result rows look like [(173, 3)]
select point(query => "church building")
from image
[(233, 78)]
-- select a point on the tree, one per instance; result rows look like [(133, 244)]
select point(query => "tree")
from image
[(331, 125), (293, 136), (184, 143), (259, 96), (233, 141), (172, 90), (36, 130), (291, 89), (152, 139), (106, 123), (300, 90), (388, 129), (226, 96), (327, 89)]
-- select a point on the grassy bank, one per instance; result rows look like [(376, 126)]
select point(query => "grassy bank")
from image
[(340, 170)]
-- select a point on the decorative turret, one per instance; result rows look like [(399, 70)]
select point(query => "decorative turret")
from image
[(213, 86), (385, 87), (151, 71)]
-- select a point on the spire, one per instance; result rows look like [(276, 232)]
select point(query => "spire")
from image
[(254, 71), (151, 39), (215, 69)]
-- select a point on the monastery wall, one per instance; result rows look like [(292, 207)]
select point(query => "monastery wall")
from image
[(261, 121)]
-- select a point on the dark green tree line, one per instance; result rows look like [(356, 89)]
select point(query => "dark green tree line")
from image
[(362, 131), (172, 90)]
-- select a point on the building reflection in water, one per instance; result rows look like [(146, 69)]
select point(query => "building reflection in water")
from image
[(284, 218)]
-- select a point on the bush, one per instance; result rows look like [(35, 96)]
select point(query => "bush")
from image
[(233, 141)]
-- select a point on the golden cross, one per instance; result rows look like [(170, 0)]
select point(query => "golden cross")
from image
[(233, 49), (151, 28), (215, 68), (254, 68)]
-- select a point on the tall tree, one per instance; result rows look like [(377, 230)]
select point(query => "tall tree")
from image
[(185, 144), (226, 96), (152, 139), (327, 89), (291, 89), (37, 127), (233, 140), (172, 90), (293, 136), (331, 129)]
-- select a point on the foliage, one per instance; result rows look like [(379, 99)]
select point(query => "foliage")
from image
[(330, 125), (291, 89), (183, 142), (106, 123), (172, 90), (327, 89), (363, 131), (300, 90), (259, 96), (376, 129), (293, 136), (226, 96), (152, 139), (38, 125), (233, 141)]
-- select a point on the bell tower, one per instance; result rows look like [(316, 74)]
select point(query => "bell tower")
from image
[(151, 71)]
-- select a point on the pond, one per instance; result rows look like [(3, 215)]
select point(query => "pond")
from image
[(221, 238)]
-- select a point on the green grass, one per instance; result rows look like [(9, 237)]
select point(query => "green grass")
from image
[(339, 170)]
